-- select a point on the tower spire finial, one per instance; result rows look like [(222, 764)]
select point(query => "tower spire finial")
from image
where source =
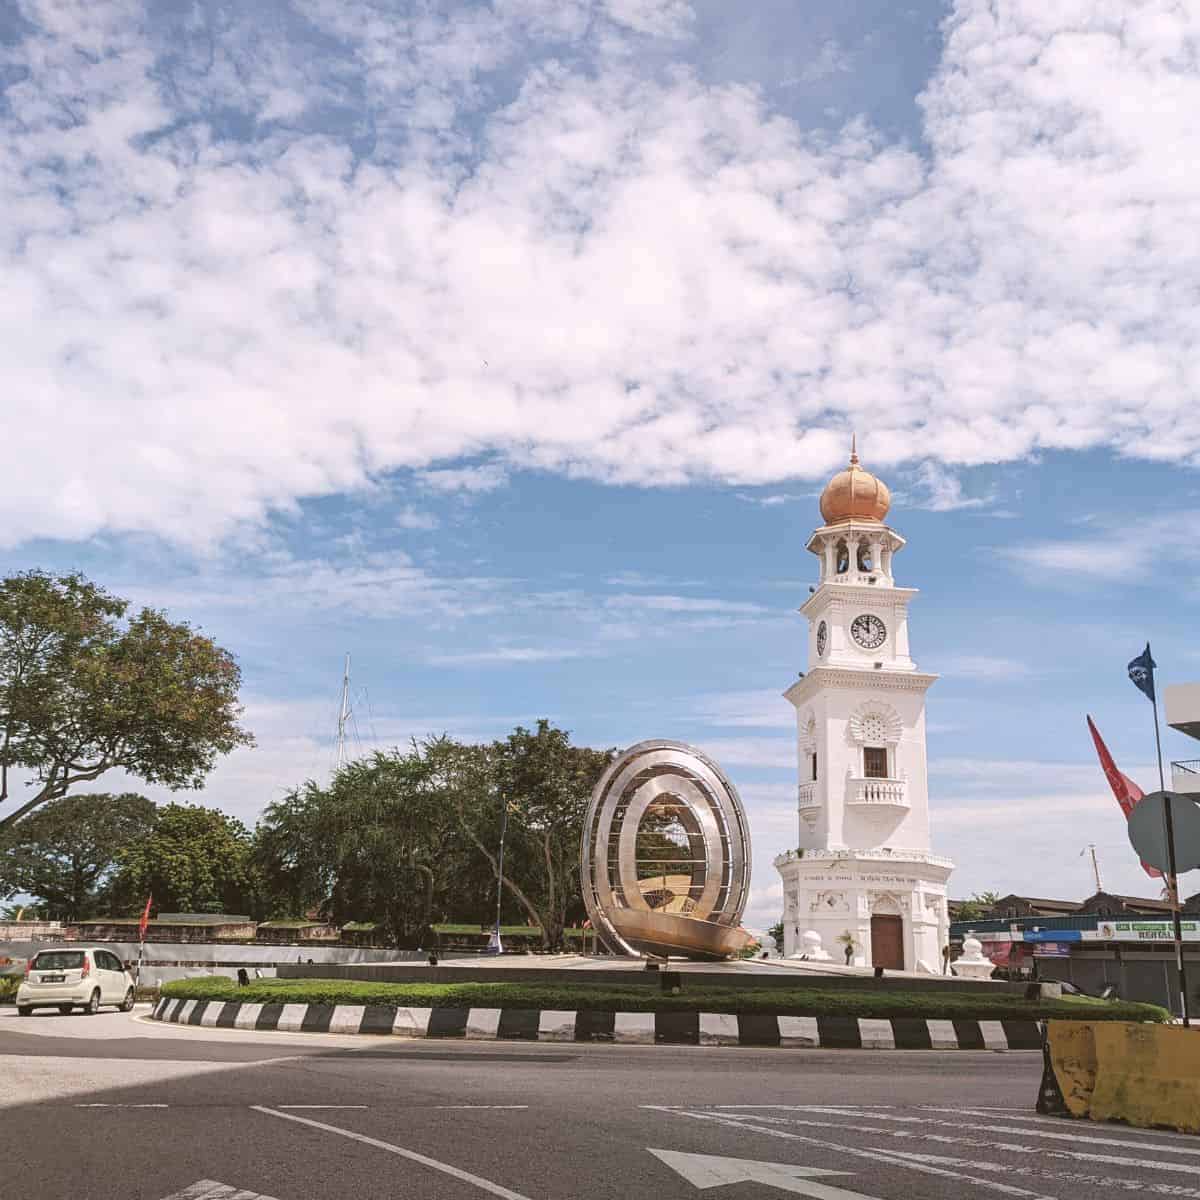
[(854, 447)]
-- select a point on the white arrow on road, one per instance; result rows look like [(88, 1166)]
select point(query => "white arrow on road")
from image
[(210, 1189), (710, 1171)]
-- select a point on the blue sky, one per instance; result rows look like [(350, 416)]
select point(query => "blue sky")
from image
[(507, 346)]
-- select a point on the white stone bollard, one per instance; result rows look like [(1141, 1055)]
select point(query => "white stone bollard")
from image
[(971, 964)]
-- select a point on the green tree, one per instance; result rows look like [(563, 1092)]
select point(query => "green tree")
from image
[(66, 851), (84, 691), (378, 843), (546, 783), (193, 860), (979, 905)]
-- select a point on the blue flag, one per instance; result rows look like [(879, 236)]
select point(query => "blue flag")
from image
[(1141, 671)]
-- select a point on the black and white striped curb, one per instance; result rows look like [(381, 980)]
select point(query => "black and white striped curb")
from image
[(674, 1028)]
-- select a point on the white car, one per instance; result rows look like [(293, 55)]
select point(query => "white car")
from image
[(81, 977)]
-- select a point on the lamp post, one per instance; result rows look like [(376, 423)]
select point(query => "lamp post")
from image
[(495, 945)]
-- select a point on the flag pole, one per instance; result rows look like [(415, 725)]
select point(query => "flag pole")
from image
[(1172, 877)]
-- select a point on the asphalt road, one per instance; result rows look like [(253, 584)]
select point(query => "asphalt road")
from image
[(117, 1108)]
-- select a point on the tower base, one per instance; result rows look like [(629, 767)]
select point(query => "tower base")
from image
[(889, 906)]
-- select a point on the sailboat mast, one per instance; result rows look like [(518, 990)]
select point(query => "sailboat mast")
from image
[(343, 716)]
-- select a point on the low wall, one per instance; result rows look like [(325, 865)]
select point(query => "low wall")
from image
[(29, 931), (286, 934), (161, 931), (163, 961)]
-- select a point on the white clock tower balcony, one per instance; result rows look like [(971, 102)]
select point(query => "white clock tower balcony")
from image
[(877, 794)]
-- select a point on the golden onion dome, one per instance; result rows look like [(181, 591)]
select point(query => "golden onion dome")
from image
[(855, 495)]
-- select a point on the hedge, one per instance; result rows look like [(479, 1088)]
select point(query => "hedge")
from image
[(799, 1001)]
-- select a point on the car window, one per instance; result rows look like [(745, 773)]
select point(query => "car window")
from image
[(58, 960), (111, 962)]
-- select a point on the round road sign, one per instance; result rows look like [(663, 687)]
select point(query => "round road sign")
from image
[(1148, 831)]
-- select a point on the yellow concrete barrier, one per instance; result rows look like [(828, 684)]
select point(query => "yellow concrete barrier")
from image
[(1147, 1075), (1073, 1057)]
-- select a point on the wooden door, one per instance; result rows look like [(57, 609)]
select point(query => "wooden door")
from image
[(887, 942)]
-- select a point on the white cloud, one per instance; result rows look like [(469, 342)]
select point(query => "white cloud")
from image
[(831, 59), (686, 604), (764, 709), (297, 741), (619, 276), (485, 478), (1124, 550), (751, 751), (982, 666), (938, 490), (508, 655), (410, 517), (662, 18)]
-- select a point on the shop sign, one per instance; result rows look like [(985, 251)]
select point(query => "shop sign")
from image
[(1141, 931)]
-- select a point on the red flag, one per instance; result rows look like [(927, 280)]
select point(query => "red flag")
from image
[(145, 920), (1126, 791)]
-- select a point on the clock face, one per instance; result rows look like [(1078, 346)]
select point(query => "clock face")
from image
[(868, 631), (822, 639)]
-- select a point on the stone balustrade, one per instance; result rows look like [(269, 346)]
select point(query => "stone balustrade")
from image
[(891, 793)]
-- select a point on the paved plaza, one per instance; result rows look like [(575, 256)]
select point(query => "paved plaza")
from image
[(148, 1111)]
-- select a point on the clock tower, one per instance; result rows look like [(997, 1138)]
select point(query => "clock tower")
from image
[(862, 874)]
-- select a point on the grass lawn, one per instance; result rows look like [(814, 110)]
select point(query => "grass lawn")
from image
[(799, 1001)]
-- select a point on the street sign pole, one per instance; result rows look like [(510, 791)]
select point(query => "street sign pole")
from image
[(1172, 874)]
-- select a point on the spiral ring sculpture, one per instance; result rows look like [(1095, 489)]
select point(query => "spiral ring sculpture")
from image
[(666, 855)]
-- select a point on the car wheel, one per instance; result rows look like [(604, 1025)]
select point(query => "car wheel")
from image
[(127, 1004), (65, 1009), (24, 1010), (93, 1004)]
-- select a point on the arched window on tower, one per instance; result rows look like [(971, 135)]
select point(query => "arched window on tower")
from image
[(843, 557), (864, 557)]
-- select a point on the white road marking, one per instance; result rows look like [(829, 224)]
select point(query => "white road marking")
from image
[(290, 1019), (484, 1185), (449, 1107), (482, 1022), (556, 1025), (633, 1027), (876, 1034), (1076, 1137), (1025, 1117), (789, 1107), (120, 1106), (210, 1189), (981, 1143), (306, 1106), (994, 1037), (710, 1171), (1107, 1181), (942, 1035), (876, 1156), (799, 1031)]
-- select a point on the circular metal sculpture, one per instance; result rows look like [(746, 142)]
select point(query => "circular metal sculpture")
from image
[(666, 855)]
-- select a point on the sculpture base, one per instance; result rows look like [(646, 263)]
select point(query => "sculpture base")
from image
[(675, 936)]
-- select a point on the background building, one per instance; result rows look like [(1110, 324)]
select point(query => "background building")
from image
[(1181, 704)]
